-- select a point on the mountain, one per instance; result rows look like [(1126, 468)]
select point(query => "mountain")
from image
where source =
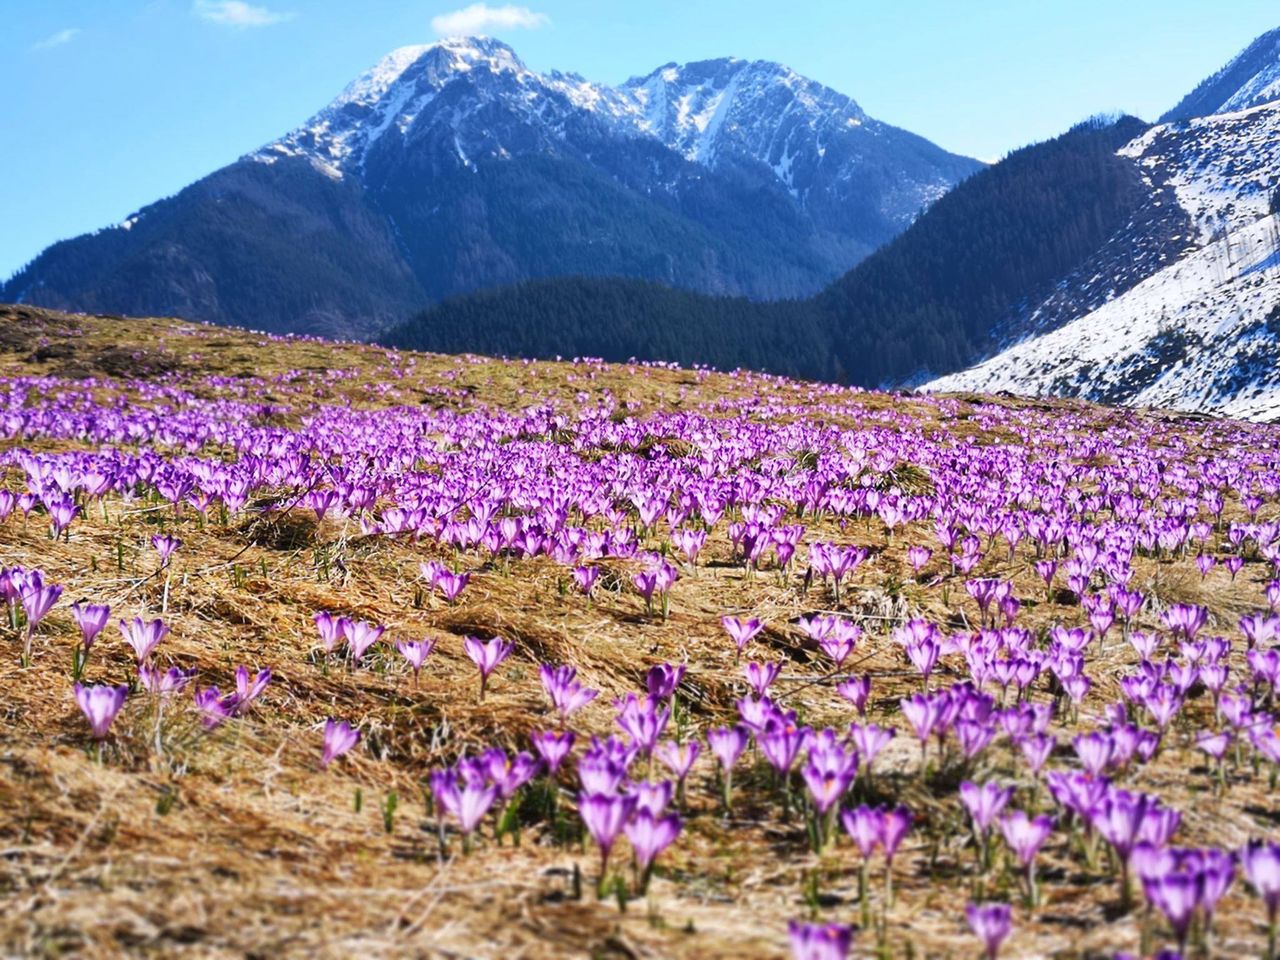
[(453, 167), (1119, 262), (949, 290), (1201, 332), (1251, 79), (939, 297)]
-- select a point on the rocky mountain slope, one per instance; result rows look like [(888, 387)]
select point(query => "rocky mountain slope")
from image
[(452, 167), (1194, 328)]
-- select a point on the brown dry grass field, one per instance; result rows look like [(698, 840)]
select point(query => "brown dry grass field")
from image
[(234, 843)]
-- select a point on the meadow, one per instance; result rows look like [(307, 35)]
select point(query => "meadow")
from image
[(319, 649)]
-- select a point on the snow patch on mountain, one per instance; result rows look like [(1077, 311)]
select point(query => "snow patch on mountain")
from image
[(402, 85), (1201, 333), (1223, 168)]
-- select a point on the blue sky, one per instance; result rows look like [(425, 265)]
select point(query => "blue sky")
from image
[(110, 104)]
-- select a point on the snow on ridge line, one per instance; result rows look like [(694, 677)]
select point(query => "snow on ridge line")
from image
[(1194, 336), (689, 108)]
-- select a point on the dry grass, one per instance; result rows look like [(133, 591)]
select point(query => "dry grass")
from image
[(237, 845)]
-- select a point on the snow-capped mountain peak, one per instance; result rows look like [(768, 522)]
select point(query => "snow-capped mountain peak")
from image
[(391, 95), (452, 166), (706, 111), (759, 106)]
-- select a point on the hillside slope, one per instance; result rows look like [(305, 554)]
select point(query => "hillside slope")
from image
[(934, 298), (1201, 332), (292, 753)]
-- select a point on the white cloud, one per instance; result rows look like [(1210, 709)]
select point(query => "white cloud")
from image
[(482, 18), (237, 13), (57, 39)]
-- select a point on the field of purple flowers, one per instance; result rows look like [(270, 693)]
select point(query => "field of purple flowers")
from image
[(326, 650)]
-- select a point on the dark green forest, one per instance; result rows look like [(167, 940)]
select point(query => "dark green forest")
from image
[(618, 319), (929, 299)]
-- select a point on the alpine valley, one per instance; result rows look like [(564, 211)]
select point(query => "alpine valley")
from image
[(736, 214), (1121, 262)]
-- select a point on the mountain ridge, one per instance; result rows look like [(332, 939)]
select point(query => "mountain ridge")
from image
[(454, 167), (1249, 79)]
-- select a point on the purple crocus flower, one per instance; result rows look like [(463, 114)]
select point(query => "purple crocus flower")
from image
[(973, 736), (143, 635), (651, 797), (1260, 860), (213, 707), (819, 941), (508, 774), (604, 816), (1124, 819), (741, 631), (780, 742), (1213, 744), (727, 743), (642, 720), (678, 758), (452, 584), (38, 599), (474, 801), (360, 636), (1185, 620), (863, 825), (599, 772), (1216, 870), (990, 923), (918, 557), (61, 512), (567, 695), (857, 690), (984, 802), (829, 772), (924, 713), (100, 704), (416, 653), (486, 656), (552, 746), (661, 680), (869, 739), (649, 835), (91, 618), (165, 546), (248, 690), (894, 825), (840, 643), (923, 654), (1046, 569), (646, 582), (1094, 750), (1024, 836), (331, 628), (1177, 895), (586, 578), (339, 737), (466, 796), (760, 676), (163, 684)]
